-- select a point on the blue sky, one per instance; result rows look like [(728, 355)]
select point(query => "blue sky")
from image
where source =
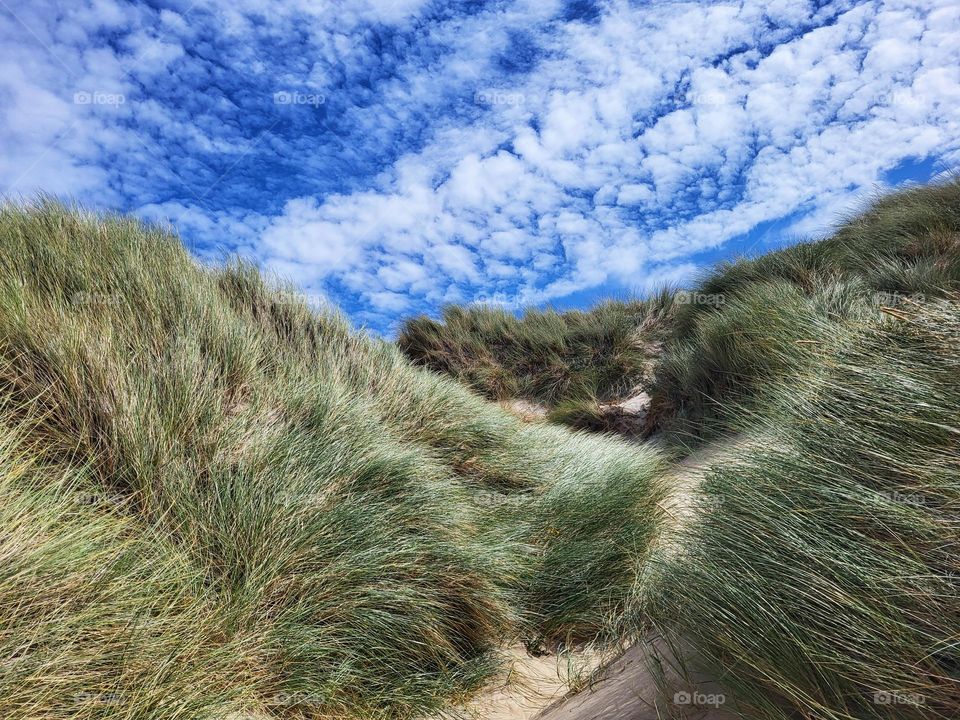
[(391, 156)]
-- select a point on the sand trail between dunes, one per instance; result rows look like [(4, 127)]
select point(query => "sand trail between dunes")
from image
[(529, 684), (631, 686)]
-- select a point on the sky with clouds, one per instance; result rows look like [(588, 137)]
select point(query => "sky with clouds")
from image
[(392, 156)]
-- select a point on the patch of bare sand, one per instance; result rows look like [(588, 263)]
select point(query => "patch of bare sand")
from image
[(528, 684), (641, 685), (628, 416), (525, 410)]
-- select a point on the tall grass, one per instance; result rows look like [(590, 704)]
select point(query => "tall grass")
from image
[(362, 530), (548, 357), (99, 614), (726, 344), (821, 579)]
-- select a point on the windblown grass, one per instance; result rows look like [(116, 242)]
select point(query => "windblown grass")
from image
[(100, 615), (566, 360), (821, 578), (216, 500), (321, 529), (728, 341)]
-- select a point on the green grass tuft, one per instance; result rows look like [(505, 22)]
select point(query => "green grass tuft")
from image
[(751, 321), (546, 357)]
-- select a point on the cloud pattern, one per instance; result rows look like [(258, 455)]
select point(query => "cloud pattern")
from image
[(396, 155)]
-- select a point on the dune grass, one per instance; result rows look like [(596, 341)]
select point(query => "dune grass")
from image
[(818, 577), (821, 578), (316, 527), (217, 501), (730, 340), (703, 353), (99, 615), (568, 362)]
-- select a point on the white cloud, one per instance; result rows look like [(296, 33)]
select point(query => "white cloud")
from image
[(389, 301), (823, 105)]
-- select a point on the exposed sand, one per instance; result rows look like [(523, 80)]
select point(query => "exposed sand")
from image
[(626, 416), (526, 410), (639, 685), (529, 684)]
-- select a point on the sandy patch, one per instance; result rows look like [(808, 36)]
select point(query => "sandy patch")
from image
[(529, 684)]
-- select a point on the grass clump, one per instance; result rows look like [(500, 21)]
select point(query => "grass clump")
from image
[(101, 617), (589, 543), (324, 529), (821, 577), (552, 358), (729, 340)]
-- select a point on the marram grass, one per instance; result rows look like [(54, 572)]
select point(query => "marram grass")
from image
[(100, 616), (312, 526), (564, 360), (822, 579), (218, 503)]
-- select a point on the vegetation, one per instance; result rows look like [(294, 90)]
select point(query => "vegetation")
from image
[(96, 610), (730, 340), (818, 575), (570, 362), (821, 577), (703, 353), (215, 499)]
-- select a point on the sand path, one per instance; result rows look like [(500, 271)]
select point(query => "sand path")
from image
[(530, 684), (639, 684)]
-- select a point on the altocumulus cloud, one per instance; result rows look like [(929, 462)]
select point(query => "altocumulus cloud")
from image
[(395, 155)]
